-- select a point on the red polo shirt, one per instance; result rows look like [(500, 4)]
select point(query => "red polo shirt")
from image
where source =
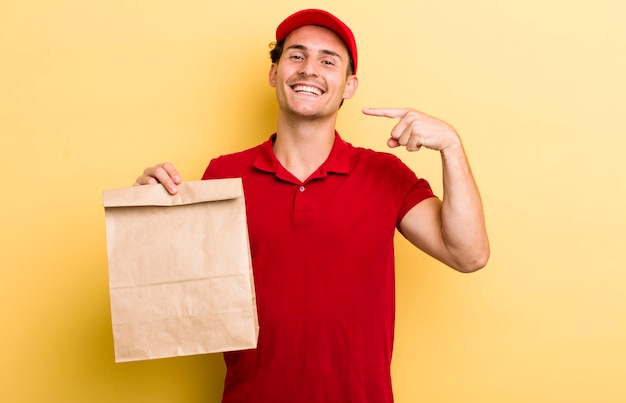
[(323, 262)]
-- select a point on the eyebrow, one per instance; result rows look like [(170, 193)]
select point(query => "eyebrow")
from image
[(325, 51)]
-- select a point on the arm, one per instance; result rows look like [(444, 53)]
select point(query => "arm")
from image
[(453, 230), (164, 173)]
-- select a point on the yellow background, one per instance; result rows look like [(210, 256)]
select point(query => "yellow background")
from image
[(91, 92)]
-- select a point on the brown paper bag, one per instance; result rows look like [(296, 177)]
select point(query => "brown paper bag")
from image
[(179, 270)]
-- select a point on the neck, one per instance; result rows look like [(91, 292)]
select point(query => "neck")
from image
[(301, 146)]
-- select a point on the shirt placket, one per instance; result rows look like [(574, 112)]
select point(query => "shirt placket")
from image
[(303, 206)]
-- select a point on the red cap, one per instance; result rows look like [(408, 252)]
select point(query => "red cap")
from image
[(322, 19)]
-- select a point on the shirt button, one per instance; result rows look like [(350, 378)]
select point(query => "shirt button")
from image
[(302, 188)]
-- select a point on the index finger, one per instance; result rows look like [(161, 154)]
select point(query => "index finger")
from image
[(165, 174), (171, 172), (168, 176), (394, 113)]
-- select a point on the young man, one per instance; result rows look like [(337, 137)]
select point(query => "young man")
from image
[(322, 216)]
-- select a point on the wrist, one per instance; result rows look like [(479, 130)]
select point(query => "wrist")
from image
[(453, 147)]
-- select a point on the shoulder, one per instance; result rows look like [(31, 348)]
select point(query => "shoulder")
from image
[(385, 167), (239, 156), (381, 161), (233, 164)]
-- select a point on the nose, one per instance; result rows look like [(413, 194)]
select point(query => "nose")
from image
[(308, 68)]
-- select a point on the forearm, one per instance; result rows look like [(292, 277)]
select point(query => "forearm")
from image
[(452, 231), (463, 228)]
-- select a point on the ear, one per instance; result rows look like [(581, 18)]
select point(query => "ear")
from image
[(272, 75), (351, 85)]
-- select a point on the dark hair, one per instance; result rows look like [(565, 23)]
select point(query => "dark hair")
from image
[(276, 51)]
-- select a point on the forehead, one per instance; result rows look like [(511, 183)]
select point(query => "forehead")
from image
[(318, 38)]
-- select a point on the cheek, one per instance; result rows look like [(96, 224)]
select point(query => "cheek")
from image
[(279, 77), (340, 85)]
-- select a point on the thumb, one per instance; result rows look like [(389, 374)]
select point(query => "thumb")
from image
[(392, 143)]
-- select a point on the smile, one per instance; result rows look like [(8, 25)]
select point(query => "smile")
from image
[(306, 89)]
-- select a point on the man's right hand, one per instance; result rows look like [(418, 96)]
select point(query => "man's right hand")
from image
[(164, 173)]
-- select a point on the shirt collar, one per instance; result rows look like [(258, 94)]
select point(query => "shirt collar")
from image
[(338, 160)]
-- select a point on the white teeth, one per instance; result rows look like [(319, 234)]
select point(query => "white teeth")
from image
[(307, 89)]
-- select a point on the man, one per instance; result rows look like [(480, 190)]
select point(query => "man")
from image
[(322, 216)]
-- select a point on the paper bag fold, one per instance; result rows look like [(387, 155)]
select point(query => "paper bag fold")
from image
[(180, 273)]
